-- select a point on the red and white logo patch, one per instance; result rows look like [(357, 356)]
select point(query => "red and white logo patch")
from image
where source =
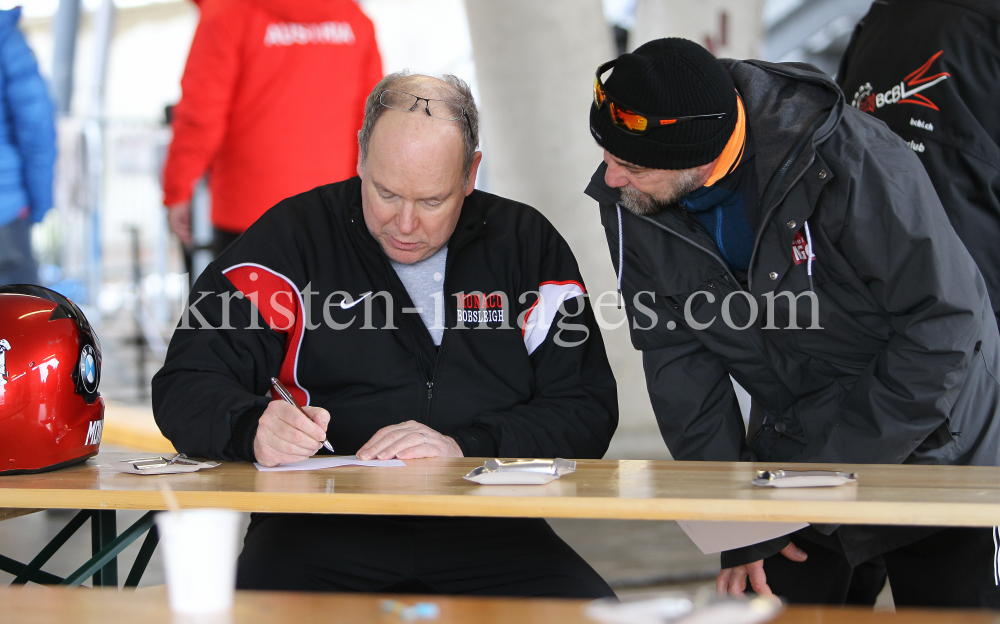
[(800, 248)]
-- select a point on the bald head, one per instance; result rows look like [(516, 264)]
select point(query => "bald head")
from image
[(424, 86), (447, 88)]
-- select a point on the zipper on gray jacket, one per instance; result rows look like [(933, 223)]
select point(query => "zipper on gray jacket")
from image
[(736, 285), (719, 259), (775, 183)]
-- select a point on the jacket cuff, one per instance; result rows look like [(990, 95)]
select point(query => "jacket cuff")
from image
[(172, 197), (244, 430), (754, 552), (476, 442)]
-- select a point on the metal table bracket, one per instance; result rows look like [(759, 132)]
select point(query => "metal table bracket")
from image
[(105, 546)]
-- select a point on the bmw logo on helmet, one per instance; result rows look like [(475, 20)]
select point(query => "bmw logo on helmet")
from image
[(89, 375)]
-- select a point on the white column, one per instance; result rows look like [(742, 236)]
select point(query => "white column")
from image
[(728, 28), (535, 64)]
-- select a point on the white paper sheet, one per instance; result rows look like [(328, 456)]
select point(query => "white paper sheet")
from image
[(318, 463), (712, 536)]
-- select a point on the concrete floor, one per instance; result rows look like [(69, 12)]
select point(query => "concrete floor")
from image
[(630, 555), (638, 553), (634, 556)]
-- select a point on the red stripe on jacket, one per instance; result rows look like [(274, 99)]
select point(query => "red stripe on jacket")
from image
[(280, 307)]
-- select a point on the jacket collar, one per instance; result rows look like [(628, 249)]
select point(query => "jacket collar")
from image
[(783, 102), (599, 190), (471, 222)]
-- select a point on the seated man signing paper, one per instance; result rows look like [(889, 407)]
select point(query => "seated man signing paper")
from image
[(413, 317)]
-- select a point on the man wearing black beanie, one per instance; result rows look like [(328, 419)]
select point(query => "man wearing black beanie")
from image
[(763, 230)]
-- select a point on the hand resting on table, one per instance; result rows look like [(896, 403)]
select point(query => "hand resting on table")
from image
[(409, 440)]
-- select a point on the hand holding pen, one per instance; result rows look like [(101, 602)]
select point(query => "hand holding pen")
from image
[(288, 433), (287, 396)]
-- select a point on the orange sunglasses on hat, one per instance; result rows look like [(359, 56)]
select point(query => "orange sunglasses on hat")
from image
[(628, 120)]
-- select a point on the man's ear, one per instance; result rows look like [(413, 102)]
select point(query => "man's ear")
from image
[(470, 181), (359, 154)]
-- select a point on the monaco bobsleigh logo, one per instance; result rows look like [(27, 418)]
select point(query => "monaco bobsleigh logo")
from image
[(94, 431), (480, 308), (4, 347), (908, 91)]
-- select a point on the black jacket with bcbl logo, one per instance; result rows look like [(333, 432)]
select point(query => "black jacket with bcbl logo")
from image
[(525, 375), (930, 69)]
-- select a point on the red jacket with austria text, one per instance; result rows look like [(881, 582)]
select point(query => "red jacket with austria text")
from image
[(273, 98)]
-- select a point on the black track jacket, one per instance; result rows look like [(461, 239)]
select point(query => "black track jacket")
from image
[(930, 69), (498, 390)]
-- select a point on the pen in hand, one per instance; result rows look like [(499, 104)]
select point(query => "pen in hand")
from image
[(283, 392)]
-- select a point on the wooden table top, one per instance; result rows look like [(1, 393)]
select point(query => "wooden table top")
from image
[(38, 605), (625, 489)]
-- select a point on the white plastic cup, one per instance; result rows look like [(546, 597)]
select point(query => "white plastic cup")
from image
[(199, 558)]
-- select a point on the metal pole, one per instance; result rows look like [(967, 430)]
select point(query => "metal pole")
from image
[(64, 29), (161, 311), (103, 530), (93, 131), (94, 172), (140, 338), (104, 24), (201, 229)]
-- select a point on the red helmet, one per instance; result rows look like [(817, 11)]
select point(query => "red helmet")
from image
[(51, 414)]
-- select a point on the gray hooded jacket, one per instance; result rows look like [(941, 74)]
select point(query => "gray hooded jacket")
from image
[(896, 352)]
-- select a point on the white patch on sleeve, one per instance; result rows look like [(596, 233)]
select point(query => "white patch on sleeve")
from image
[(543, 312)]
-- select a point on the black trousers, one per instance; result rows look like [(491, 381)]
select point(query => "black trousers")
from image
[(951, 568), (221, 239), (17, 264), (403, 554)]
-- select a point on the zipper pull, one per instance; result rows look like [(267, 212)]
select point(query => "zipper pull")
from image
[(430, 390)]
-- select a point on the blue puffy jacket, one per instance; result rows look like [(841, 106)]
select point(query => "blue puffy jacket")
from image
[(27, 127)]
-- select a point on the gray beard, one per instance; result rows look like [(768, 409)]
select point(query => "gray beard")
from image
[(642, 204)]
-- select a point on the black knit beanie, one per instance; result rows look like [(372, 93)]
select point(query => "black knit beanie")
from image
[(668, 78)]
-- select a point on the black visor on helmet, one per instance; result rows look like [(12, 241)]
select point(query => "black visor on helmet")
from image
[(87, 372)]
